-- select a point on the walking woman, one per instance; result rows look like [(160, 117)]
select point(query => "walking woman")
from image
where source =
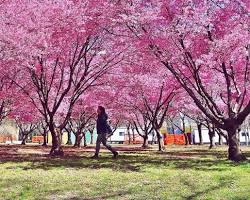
[(102, 131)]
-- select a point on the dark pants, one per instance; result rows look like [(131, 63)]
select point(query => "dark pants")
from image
[(101, 138)]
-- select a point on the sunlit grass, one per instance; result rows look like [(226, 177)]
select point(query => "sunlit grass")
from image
[(179, 173)]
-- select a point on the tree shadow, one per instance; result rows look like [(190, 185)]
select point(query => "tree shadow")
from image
[(111, 195), (96, 197), (225, 182), (128, 161)]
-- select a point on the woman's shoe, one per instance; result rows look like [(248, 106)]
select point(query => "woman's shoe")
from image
[(94, 157), (115, 155)]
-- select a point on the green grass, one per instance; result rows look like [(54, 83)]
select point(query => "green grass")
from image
[(178, 173)]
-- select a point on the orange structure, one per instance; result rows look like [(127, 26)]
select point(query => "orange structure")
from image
[(136, 140), (177, 139), (7, 137), (37, 139)]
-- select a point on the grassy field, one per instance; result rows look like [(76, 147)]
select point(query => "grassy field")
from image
[(179, 173)]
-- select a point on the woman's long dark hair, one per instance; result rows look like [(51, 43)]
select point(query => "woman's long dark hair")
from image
[(102, 109)]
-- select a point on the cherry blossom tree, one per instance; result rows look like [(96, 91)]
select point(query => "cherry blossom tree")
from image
[(80, 119), (5, 93), (61, 50), (25, 115), (146, 90), (156, 102), (205, 45)]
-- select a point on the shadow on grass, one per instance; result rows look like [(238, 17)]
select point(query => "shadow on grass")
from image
[(72, 196), (126, 163), (112, 195), (195, 159), (226, 182)]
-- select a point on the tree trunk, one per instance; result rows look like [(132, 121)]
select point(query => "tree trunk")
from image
[(44, 138), (159, 139), (238, 134), (78, 140), (56, 149), (234, 152), (247, 138), (85, 140), (24, 137), (184, 132), (211, 138), (145, 141), (91, 137), (186, 138), (189, 135), (221, 136), (75, 144), (153, 138), (199, 126), (129, 135), (23, 141), (69, 142), (133, 133), (220, 139), (226, 138), (20, 135)]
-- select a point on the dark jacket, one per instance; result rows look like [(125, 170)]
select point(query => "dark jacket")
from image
[(102, 124)]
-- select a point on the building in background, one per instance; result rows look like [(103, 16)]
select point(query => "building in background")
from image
[(8, 131)]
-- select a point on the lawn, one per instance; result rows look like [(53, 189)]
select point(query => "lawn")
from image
[(179, 173)]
